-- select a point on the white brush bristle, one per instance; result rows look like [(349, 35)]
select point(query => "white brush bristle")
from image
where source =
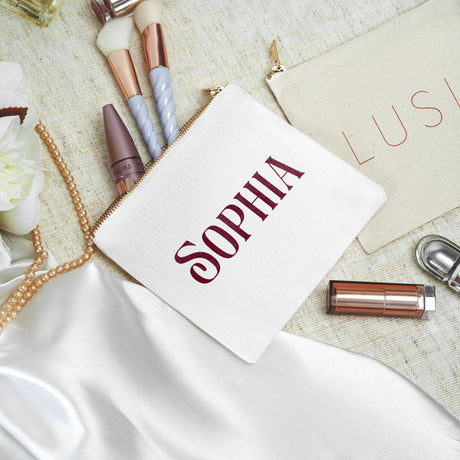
[(115, 35), (146, 13)]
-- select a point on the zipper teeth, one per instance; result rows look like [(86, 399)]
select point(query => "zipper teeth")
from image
[(151, 164), (276, 70)]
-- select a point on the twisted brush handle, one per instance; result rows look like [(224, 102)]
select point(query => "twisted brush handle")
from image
[(161, 82), (139, 110)]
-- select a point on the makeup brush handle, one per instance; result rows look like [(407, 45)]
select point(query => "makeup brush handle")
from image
[(139, 110), (161, 82)]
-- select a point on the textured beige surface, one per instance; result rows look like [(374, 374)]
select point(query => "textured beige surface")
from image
[(211, 42), (342, 90)]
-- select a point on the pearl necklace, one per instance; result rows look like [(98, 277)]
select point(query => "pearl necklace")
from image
[(31, 282)]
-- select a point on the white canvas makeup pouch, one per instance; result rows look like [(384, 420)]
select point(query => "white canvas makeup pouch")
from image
[(238, 221)]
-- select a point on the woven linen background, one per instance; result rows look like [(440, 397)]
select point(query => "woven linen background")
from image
[(212, 42)]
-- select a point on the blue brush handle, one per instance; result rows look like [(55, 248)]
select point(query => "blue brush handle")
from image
[(161, 82), (139, 110)]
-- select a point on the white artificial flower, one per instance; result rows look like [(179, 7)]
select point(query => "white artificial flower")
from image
[(5, 256), (21, 178), (24, 217)]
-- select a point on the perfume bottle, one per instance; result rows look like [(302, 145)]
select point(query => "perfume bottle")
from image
[(40, 11)]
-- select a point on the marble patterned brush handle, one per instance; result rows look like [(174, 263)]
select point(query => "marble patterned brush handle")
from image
[(139, 110), (161, 83)]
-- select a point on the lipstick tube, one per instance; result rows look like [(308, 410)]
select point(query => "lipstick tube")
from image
[(125, 162), (381, 299)]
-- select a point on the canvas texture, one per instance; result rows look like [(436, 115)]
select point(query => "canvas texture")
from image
[(388, 104), (220, 227), (211, 43)]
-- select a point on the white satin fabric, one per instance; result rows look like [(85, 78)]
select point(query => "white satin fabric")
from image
[(100, 368)]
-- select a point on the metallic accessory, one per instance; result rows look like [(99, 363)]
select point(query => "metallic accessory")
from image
[(106, 10), (101, 11), (123, 69), (441, 258), (277, 68), (121, 8), (381, 299), (153, 41)]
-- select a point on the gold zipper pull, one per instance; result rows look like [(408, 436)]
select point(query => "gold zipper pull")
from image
[(213, 92), (277, 68), (274, 53)]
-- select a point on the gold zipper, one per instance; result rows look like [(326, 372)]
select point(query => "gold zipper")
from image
[(213, 92), (277, 68)]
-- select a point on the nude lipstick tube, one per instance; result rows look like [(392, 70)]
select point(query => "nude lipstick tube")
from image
[(381, 299), (125, 162)]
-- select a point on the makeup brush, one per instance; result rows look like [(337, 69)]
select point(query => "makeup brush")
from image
[(147, 16), (113, 41)]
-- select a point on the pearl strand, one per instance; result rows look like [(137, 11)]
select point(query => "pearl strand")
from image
[(31, 282)]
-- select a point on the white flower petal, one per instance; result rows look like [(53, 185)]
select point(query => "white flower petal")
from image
[(10, 75), (25, 216), (4, 200), (38, 182), (21, 178), (7, 98), (5, 257), (9, 126), (20, 152), (12, 99), (32, 146)]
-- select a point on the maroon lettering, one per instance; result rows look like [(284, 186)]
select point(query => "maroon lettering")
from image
[(426, 108), (259, 196), (221, 242), (198, 265), (235, 226), (214, 247), (275, 163), (269, 185)]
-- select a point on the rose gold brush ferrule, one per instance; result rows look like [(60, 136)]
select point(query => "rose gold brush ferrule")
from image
[(381, 299), (122, 66), (154, 46)]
